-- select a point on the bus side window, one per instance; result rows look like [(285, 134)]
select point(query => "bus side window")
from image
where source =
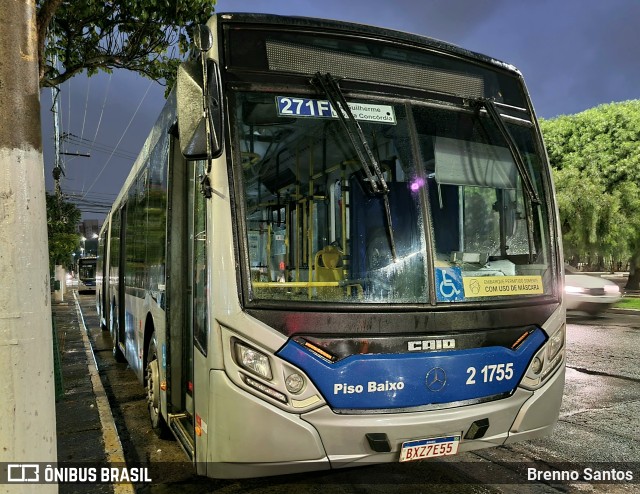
[(200, 282)]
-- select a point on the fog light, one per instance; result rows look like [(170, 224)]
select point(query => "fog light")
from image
[(294, 383), (536, 365)]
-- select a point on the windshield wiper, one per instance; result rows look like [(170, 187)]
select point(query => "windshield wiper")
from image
[(328, 85), (492, 111)]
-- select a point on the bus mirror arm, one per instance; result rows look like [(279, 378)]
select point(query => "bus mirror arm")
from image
[(199, 109), (214, 109)]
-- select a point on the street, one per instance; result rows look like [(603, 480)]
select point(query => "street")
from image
[(598, 428)]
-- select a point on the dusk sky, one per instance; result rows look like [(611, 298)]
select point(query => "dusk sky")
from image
[(574, 55)]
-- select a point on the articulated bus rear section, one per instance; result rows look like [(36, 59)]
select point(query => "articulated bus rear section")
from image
[(353, 257)]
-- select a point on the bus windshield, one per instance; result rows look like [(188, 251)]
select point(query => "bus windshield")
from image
[(87, 269), (460, 225)]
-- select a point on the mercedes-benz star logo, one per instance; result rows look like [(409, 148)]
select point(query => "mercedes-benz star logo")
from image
[(436, 379)]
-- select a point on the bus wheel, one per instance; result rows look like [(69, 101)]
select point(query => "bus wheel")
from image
[(158, 423)]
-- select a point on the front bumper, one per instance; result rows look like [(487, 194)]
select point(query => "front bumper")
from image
[(263, 440)]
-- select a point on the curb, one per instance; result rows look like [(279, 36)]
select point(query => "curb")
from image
[(112, 445), (620, 310)]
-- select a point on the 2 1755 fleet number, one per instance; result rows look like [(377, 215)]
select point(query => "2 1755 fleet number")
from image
[(490, 373)]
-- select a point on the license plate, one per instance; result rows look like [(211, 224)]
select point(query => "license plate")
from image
[(429, 448)]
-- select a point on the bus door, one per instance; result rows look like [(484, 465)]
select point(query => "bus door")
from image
[(188, 344), (119, 335), (103, 263), (191, 281), (113, 283), (198, 375)]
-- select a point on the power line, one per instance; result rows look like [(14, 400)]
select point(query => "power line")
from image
[(121, 137), (88, 206), (98, 147), (79, 199), (86, 104), (70, 140), (81, 192), (104, 103)]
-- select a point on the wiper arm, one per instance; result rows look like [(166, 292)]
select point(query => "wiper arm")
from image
[(328, 85), (492, 111)]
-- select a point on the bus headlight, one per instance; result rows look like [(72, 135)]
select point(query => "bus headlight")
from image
[(556, 342), (253, 360), (545, 361)]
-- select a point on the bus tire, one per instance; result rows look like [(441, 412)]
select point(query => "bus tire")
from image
[(152, 383)]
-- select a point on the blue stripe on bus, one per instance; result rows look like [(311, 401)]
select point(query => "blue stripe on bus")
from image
[(373, 381)]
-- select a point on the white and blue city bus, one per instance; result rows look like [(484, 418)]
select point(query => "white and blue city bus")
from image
[(339, 246), (87, 274)]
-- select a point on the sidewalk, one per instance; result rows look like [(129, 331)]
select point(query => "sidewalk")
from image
[(84, 425)]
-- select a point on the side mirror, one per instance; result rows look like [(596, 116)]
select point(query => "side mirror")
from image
[(202, 37), (199, 103)]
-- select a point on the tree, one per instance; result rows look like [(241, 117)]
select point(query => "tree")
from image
[(596, 159), (62, 219), (146, 36), (28, 425)]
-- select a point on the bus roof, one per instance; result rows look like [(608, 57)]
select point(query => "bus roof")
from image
[(344, 27)]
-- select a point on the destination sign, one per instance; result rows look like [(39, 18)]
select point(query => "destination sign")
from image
[(289, 106)]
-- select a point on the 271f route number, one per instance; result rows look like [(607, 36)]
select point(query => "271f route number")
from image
[(491, 372)]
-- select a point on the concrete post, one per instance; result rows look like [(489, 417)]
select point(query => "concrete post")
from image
[(61, 278), (27, 407)]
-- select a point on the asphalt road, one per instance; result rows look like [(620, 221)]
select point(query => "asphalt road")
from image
[(599, 422)]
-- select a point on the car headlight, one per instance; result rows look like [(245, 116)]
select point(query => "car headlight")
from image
[(573, 289), (612, 289), (253, 360)]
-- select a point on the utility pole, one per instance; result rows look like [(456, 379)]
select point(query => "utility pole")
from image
[(27, 404), (59, 271), (57, 168)]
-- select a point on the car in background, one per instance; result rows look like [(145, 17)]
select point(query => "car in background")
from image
[(589, 293)]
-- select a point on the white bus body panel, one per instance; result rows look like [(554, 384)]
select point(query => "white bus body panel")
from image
[(261, 439)]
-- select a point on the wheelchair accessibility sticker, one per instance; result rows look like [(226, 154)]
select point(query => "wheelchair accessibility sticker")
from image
[(449, 286)]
